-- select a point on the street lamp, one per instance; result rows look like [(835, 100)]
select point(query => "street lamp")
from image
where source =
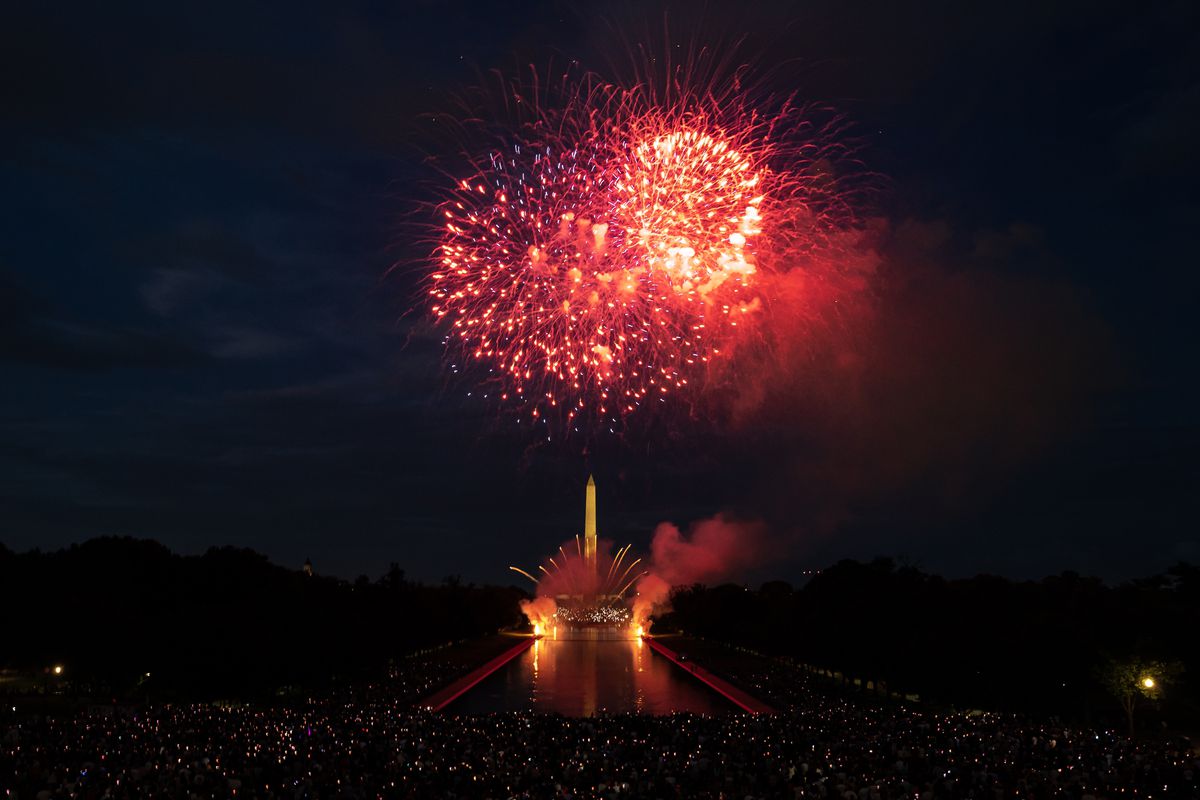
[(55, 670), (1148, 682)]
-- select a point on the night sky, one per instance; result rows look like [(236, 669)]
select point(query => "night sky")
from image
[(208, 276)]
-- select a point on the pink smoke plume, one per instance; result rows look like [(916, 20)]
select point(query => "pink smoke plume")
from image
[(540, 612), (713, 550)]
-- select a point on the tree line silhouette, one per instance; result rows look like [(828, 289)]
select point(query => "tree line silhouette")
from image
[(985, 642), (226, 624)]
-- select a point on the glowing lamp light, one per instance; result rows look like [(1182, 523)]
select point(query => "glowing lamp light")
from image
[(58, 670), (1148, 682)]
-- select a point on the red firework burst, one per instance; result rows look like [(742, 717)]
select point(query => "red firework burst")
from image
[(617, 245)]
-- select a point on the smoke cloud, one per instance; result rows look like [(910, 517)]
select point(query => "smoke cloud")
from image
[(716, 549), (540, 611), (966, 365), (652, 595)]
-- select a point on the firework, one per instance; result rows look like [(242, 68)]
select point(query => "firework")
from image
[(574, 577), (614, 242)]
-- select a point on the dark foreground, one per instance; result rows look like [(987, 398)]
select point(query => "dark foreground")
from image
[(821, 747)]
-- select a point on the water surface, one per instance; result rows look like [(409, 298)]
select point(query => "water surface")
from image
[(588, 671)]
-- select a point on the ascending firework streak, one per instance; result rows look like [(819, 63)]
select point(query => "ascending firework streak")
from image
[(625, 588), (526, 574), (616, 562), (627, 569), (572, 576)]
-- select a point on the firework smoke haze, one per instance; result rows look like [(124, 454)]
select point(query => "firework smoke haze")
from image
[(712, 550), (540, 612)]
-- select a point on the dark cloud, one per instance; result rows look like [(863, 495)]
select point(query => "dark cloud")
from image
[(32, 333)]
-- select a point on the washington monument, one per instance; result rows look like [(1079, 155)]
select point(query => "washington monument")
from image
[(589, 527)]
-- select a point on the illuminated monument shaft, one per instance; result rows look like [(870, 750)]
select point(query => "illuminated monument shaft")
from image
[(589, 528)]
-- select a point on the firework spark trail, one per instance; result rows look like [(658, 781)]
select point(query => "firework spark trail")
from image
[(614, 243), (615, 563), (625, 588), (574, 577), (526, 574), (627, 570)]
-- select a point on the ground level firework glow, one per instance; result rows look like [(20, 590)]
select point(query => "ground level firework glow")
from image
[(614, 244)]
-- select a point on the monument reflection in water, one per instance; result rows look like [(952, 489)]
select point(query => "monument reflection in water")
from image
[(590, 670)]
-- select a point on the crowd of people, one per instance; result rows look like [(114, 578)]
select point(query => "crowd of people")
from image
[(420, 674), (780, 682), (593, 615), (820, 745)]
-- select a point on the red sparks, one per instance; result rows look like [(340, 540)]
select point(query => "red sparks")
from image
[(618, 245)]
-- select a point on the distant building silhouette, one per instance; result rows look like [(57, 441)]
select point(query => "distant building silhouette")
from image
[(308, 567)]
